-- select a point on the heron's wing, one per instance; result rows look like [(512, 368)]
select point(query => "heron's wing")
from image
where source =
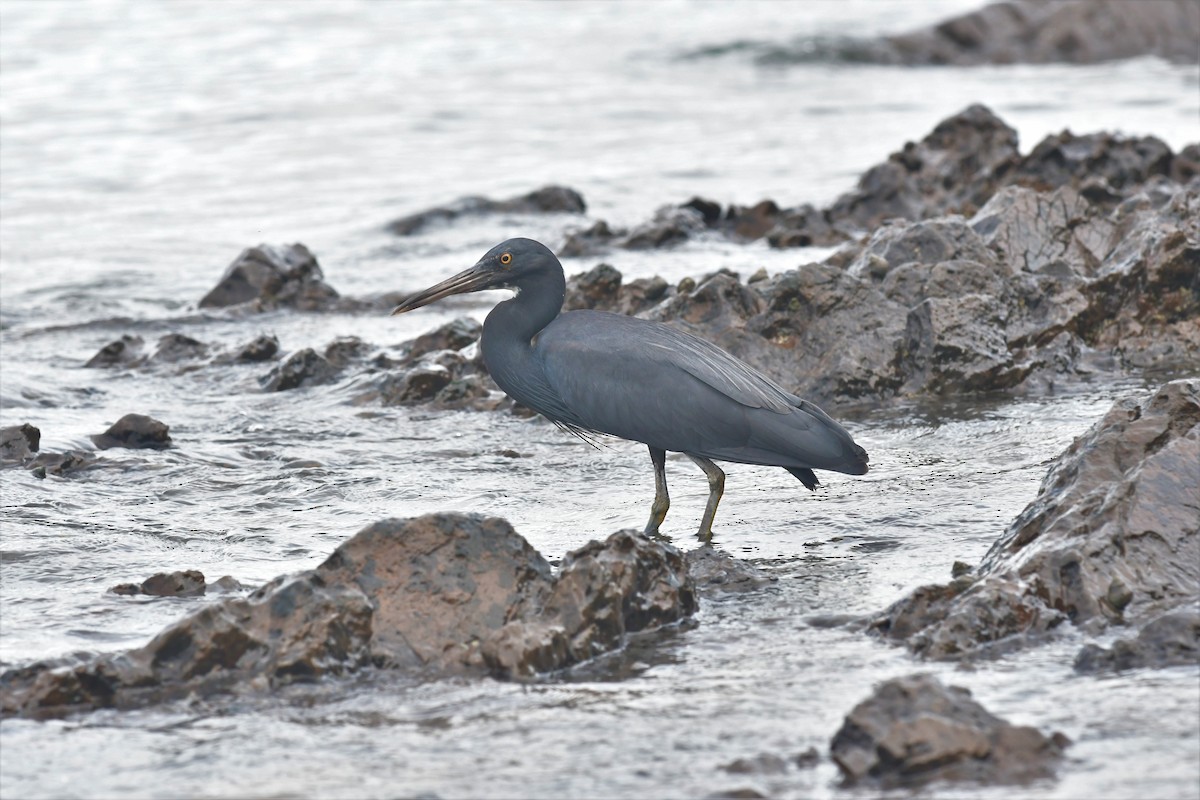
[(708, 363)]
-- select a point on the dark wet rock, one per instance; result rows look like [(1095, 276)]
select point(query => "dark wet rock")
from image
[(1075, 31), (454, 335), (60, 464), (126, 351), (803, 226), (744, 793), (751, 222), (547, 200), (602, 288), (443, 593), (226, 584), (808, 758), (715, 571), (709, 210), (346, 350), (603, 592), (671, 225), (186, 583), (175, 347), (1107, 164), (593, 240), (960, 345), (305, 367), (416, 385), (267, 277), (1171, 640), (262, 348), (762, 764), (913, 730), (135, 431), (18, 443), (1113, 537)]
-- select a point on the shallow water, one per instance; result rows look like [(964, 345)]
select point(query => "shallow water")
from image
[(145, 145)]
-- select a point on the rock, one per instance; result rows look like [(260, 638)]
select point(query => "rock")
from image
[(961, 344), (442, 594), (60, 464), (546, 200), (1113, 537), (748, 223), (603, 592), (1170, 640), (762, 764), (671, 225), (135, 431), (345, 350), (803, 226), (955, 169), (125, 351), (189, 583), (262, 348), (808, 758), (18, 443), (1077, 31), (267, 277), (601, 288), (175, 347), (588, 241), (454, 335), (913, 730), (715, 571), (305, 367)]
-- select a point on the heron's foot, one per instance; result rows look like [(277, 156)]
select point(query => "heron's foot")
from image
[(705, 535), (657, 536)]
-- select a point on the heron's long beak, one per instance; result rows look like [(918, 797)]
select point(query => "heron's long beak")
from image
[(472, 280)]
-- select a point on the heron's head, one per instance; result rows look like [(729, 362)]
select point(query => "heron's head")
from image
[(506, 266)]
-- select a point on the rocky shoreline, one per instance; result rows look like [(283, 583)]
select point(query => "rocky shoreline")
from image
[(963, 268)]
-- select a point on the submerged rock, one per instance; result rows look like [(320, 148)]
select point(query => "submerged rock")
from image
[(18, 443), (1171, 640), (135, 431), (913, 730), (186, 583), (267, 277), (443, 593), (546, 200), (1113, 537), (60, 464), (126, 351)]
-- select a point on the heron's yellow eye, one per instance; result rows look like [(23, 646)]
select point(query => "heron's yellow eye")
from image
[(506, 258)]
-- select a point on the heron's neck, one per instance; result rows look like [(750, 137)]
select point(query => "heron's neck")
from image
[(509, 330)]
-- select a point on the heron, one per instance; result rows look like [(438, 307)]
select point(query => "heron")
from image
[(596, 372)]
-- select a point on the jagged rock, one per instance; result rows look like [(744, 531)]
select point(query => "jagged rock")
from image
[(18, 443), (267, 277), (601, 288), (1112, 537), (454, 335), (1171, 640), (135, 431), (125, 351), (305, 367), (955, 169), (803, 226), (546, 200), (187, 583), (603, 592), (443, 593), (913, 730)]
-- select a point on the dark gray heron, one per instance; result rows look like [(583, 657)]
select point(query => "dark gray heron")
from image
[(593, 372)]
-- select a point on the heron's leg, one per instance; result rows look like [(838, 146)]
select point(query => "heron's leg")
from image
[(716, 487), (658, 511)]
